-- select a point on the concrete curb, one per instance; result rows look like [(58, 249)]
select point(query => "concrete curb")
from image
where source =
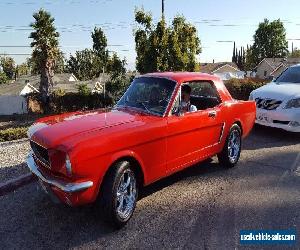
[(16, 183), (6, 143)]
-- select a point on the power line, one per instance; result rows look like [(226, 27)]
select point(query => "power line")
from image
[(61, 46)]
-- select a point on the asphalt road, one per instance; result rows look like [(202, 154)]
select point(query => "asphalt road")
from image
[(203, 207)]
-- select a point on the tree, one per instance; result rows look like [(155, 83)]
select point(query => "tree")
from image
[(60, 66), (239, 57), (8, 66), (22, 69), (89, 63), (249, 60), (84, 65), (234, 59), (269, 41), (100, 45), (161, 48), (118, 81), (116, 66), (45, 51)]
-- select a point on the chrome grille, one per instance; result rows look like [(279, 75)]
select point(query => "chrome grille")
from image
[(40, 153), (268, 104)]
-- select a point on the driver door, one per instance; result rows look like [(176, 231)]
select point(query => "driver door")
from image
[(191, 136)]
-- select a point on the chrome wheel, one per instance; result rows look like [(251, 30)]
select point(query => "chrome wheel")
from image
[(234, 146), (126, 194)]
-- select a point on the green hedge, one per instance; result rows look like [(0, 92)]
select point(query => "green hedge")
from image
[(68, 102), (75, 101), (241, 88), (13, 134)]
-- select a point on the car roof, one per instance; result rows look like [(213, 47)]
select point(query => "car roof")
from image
[(182, 77)]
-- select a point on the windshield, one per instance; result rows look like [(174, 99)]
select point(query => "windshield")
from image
[(291, 75), (150, 94)]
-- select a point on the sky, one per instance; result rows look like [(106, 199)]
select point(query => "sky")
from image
[(218, 23)]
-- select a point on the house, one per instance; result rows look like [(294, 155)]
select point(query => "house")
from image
[(225, 70), (266, 67), (270, 68), (13, 95), (284, 65)]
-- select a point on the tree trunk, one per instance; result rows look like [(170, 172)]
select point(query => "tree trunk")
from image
[(46, 82)]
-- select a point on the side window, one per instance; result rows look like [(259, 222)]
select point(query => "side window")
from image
[(204, 95)]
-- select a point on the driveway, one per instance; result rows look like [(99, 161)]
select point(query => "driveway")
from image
[(203, 207)]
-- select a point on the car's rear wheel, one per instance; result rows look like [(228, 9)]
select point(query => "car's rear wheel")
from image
[(119, 194), (232, 149)]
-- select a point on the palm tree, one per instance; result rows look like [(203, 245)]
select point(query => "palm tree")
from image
[(45, 51)]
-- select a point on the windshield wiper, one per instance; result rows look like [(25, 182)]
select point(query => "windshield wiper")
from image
[(144, 106)]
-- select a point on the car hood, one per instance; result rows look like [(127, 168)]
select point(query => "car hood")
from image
[(52, 130), (278, 91)]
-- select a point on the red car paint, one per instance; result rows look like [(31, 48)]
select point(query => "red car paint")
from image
[(94, 140)]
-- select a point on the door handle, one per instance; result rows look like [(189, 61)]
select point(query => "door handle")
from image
[(212, 114)]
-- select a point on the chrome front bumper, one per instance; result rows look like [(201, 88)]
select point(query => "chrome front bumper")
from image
[(268, 118), (62, 185)]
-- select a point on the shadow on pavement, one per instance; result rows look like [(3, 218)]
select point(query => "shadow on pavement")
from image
[(266, 137), (202, 207)]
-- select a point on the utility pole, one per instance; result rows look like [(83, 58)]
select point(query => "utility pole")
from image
[(162, 8)]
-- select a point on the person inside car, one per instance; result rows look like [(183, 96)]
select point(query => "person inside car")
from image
[(186, 105)]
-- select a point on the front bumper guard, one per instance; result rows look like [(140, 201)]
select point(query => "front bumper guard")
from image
[(62, 185)]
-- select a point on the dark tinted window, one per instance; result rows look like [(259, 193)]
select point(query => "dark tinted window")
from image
[(204, 89), (292, 75), (204, 95), (150, 94)]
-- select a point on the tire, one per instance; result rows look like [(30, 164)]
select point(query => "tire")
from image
[(231, 151), (118, 195)]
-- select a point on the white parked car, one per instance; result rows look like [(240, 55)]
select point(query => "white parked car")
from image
[(278, 102)]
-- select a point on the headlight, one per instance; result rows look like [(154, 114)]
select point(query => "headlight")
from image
[(293, 103), (35, 127), (68, 165)]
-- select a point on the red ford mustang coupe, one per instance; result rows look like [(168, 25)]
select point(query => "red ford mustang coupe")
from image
[(164, 123)]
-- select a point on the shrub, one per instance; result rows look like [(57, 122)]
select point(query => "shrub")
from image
[(3, 78), (241, 88), (13, 134), (117, 86), (83, 89), (59, 92), (76, 101)]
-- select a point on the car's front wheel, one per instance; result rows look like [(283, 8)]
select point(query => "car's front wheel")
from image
[(119, 194), (232, 149)]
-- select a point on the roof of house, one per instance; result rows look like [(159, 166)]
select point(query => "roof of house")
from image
[(212, 67), (274, 63), (63, 77), (60, 81), (11, 88), (287, 63)]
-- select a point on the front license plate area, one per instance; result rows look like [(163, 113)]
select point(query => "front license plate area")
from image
[(262, 117)]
